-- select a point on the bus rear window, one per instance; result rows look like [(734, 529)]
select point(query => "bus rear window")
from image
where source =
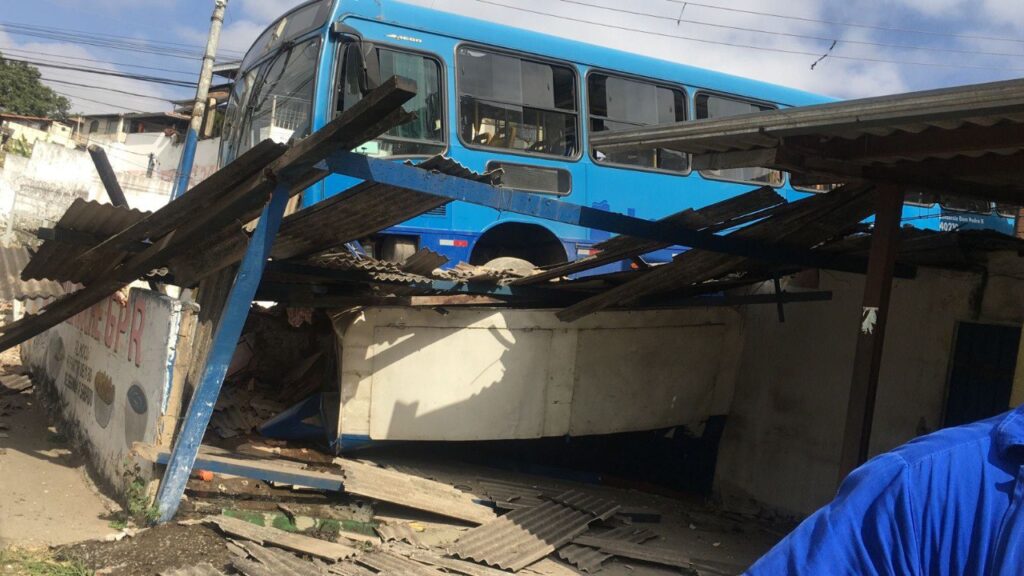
[(517, 104), (621, 104), (714, 106), (424, 136)]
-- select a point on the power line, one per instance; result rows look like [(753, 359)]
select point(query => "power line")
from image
[(750, 46), (4, 50), (93, 86), (191, 50), (102, 72), (792, 34), (83, 98), (850, 24)]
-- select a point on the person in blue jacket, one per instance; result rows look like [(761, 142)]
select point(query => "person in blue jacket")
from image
[(950, 503)]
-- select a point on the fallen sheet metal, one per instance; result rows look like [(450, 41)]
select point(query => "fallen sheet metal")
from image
[(349, 568), (13, 260), (271, 562), (83, 226), (424, 262), (387, 563), (589, 559), (524, 536)]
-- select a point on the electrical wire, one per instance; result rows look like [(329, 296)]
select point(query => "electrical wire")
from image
[(793, 34), (5, 49), (751, 46), (98, 41), (102, 72), (851, 24), (84, 99), (109, 90)]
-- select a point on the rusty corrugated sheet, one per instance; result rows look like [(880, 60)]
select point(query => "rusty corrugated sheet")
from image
[(590, 559), (524, 536), (61, 261), (362, 210), (13, 260), (424, 262)]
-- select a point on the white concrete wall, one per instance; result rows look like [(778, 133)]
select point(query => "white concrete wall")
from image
[(36, 191), (413, 374), (781, 445), (110, 366)]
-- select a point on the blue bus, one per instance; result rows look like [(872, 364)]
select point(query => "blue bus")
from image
[(498, 97)]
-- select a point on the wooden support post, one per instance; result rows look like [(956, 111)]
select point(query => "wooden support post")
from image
[(867, 362), (107, 176)]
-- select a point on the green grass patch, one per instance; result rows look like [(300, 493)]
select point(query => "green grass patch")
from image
[(14, 562), (251, 517), (282, 522)]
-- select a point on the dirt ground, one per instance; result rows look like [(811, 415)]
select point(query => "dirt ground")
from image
[(46, 497), (159, 549)]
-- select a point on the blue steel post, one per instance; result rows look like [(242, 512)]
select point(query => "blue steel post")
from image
[(225, 339), (188, 158)]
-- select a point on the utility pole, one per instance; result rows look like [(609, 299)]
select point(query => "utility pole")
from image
[(188, 154)]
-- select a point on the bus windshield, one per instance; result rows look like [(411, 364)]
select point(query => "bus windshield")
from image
[(424, 136)]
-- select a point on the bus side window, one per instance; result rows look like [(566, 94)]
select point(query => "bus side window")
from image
[(715, 106), (518, 104), (424, 136), (623, 103)]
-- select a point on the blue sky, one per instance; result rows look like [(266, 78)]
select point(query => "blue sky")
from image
[(897, 45)]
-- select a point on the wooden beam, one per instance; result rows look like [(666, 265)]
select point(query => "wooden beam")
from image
[(867, 361), (107, 176)]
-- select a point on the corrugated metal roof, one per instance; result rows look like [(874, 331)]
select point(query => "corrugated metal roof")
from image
[(61, 261), (275, 561), (424, 262), (524, 536), (942, 140), (362, 210), (387, 563), (13, 260), (590, 559)]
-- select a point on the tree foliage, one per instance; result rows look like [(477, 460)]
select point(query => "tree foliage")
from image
[(21, 92)]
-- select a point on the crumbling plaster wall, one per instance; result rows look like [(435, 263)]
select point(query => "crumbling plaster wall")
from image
[(781, 445)]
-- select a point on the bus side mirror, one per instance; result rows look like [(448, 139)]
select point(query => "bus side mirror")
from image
[(370, 64)]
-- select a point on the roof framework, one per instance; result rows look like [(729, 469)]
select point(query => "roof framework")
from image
[(965, 141)]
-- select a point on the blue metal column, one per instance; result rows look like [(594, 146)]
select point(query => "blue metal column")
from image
[(225, 339), (188, 158)]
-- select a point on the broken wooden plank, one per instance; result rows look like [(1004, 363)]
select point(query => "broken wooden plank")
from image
[(712, 218), (295, 542), (412, 491), (453, 565), (263, 469), (272, 562), (204, 569), (633, 551), (798, 224)]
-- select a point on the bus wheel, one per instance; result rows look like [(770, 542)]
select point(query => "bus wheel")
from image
[(517, 265), (530, 243)]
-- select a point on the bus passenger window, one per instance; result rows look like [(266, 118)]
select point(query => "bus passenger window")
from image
[(713, 106), (282, 102), (517, 104), (424, 136), (621, 104)]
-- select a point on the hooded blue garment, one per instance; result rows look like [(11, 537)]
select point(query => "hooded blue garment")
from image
[(949, 503)]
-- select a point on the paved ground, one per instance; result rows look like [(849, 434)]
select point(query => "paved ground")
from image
[(45, 495)]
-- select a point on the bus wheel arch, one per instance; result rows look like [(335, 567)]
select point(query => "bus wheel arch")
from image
[(532, 243)]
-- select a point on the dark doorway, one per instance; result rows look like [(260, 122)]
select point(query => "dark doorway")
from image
[(981, 378)]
